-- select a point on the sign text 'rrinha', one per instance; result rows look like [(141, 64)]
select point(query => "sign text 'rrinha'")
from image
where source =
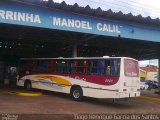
[(20, 16)]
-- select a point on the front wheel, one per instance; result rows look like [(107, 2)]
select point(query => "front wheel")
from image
[(77, 93)]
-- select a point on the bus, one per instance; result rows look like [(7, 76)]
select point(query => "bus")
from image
[(96, 77)]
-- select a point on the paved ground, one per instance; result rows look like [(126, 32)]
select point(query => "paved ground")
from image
[(56, 103), (151, 93)]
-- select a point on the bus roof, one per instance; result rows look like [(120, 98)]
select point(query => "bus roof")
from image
[(78, 58)]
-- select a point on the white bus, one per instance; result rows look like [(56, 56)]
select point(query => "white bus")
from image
[(97, 77)]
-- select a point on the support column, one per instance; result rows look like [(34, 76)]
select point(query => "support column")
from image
[(74, 50), (159, 73)]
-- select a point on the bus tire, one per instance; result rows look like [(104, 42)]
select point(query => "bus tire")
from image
[(76, 93), (28, 85)]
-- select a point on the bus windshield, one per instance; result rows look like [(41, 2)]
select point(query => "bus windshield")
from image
[(131, 68)]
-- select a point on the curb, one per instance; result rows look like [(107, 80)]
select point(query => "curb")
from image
[(150, 98), (29, 94)]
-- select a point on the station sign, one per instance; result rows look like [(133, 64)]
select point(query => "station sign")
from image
[(36, 16)]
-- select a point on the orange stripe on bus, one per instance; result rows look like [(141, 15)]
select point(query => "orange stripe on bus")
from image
[(54, 79)]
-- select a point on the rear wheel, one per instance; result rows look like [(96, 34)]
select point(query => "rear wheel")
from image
[(28, 85), (77, 93)]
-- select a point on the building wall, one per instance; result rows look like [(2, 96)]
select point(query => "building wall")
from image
[(152, 76), (151, 73), (143, 74)]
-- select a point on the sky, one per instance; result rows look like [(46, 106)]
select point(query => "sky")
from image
[(149, 62), (144, 7)]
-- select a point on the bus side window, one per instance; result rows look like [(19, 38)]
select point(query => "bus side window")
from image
[(60, 66), (80, 67), (72, 66), (43, 66), (29, 66), (115, 67), (52, 66), (58, 69), (89, 67), (108, 67), (93, 66), (63, 66), (68, 66), (85, 66), (34, 66), (100, 67), (75, 67), (46, 65)]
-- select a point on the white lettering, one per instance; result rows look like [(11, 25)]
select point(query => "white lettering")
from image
[(77, 24), (64, 22), (109, 80), (71, 23), (2, 14), (15, 15), (56, 21), (9, 15), (114, 29), (21, 16), (84, 24), (99, 26), (108, 28), (88, 26), (18, 16), (29, 17), (37, 19), (117, 29), (105, 28)]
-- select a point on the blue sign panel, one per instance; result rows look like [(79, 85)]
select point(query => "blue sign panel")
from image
[(21, 14)]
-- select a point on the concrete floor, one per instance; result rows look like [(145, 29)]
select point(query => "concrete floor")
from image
[(61, 104)]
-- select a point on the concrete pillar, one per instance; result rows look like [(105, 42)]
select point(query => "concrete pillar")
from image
[(159, 73), (74, 50)]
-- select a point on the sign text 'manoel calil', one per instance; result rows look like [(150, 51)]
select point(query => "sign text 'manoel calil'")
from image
[(58, 21)]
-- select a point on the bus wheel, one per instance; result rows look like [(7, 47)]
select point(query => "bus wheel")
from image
[(27, 85), (76, 93)]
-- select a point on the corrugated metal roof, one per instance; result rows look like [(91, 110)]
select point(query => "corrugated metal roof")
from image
[(150, 68), (96, 12)]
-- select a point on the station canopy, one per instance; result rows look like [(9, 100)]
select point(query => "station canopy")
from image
[(141, 42)]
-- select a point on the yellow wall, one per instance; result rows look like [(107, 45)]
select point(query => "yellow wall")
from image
[(151, 76), (148, 75), (143, 74)]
